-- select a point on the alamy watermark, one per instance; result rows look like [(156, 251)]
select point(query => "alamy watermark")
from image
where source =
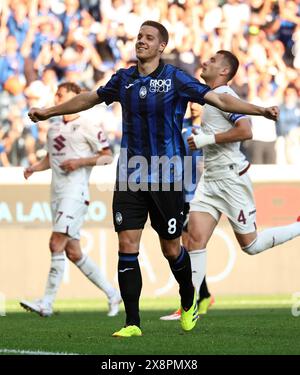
[(2, 304), (164, 173)]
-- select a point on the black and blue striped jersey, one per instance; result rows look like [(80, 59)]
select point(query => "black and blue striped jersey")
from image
[(153, 108)]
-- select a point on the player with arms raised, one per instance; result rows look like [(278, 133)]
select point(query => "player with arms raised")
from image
[(154, 97)]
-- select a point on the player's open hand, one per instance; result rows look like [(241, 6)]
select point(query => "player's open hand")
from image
[(70, 165), (37, 114), (28, 172), (272, 113)]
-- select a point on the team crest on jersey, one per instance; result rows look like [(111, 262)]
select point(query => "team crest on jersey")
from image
[(143, 92), (59, 142), (119, 218), (160, 85)]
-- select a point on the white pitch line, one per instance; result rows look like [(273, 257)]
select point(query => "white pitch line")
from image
[(255, 302), (38, 352)]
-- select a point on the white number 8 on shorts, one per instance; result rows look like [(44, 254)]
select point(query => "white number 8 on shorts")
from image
[(172, 226)]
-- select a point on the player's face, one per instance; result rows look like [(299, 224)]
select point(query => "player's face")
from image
[(62, 95), (148, 44), (213, 67)]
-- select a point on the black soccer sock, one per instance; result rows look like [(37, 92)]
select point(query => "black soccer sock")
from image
[(182, 271), (130, 283), (203, 291)]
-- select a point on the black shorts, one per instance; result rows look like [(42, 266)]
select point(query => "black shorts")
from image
[(165, 208), (186, 211)]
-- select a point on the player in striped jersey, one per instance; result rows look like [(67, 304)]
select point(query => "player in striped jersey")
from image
[(154, 97)]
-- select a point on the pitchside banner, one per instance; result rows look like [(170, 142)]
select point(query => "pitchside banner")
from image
[(25, 227)]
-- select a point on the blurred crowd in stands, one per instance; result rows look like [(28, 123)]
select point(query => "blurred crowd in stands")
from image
[(46, 42)]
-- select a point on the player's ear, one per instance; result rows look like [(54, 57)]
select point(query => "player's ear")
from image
[(225, 71), (162, 46)]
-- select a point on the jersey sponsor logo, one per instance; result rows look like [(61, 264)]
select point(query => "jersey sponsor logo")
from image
[(143, 92), (131, 84), (160, 85), (59, 143), (119, 218)]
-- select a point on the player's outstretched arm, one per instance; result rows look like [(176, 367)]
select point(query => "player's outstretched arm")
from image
[(42, 165), (229, 103), (79, 103)]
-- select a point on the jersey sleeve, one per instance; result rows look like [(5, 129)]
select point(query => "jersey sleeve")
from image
[(232, 117), (111, 91), (190, 88), (95, 137)]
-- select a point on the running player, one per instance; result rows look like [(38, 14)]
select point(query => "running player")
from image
[(75, 144), (225, 187), (205, 300), (154, 97)]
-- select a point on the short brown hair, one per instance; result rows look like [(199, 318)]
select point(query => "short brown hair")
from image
[(70, 86), (163, 32), (233, 62)]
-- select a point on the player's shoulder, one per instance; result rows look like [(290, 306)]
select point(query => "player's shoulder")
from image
[(55, 123), (123, 73), (172, 68), (86, 118), (181, 76), (178, 71), (225, 89), (127, 71)]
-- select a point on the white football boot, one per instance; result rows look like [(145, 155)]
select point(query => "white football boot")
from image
[(38, 307), (114, 304)]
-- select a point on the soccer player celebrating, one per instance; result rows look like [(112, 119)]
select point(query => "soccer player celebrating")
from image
[(153, 97), (75, 144), (225, 186)]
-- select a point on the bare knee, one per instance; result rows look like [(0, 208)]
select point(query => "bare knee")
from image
[(73, 250), (197, 241), (129, 242), (170, 248), (73, 256), (57, 242), (201, 226)]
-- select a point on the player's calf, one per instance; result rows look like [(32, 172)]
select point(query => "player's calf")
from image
[(272, 237)]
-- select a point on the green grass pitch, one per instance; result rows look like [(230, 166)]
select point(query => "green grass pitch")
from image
[(234, 325)]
